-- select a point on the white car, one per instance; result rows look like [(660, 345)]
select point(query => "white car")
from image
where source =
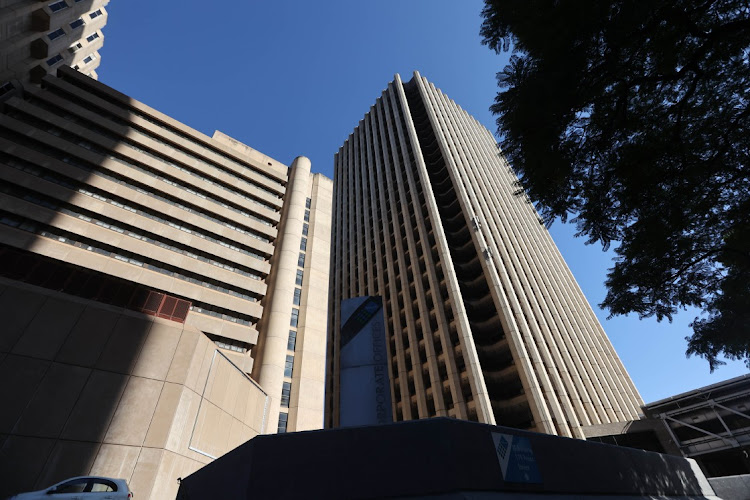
[(81, 488)]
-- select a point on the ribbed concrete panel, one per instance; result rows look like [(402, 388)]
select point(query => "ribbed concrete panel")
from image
[(485, 321), (112, 194)]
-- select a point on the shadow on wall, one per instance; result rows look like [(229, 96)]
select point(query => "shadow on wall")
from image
[(66, 366), (92, 221)]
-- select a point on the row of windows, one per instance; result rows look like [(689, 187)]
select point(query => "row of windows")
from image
[(229, 344), (119, 202), (78, 241), (182, 135), (209, 310), (286, 389), (85, 166), (142, 168), (131, 144), (119, 227)]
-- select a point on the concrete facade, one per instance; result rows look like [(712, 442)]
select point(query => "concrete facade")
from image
[(484, 319), (108, 202), (38, 37), (94, 389)]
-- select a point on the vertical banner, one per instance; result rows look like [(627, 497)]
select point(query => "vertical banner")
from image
[(365, 397)]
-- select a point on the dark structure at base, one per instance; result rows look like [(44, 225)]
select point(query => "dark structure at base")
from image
[(444, 458), (710, 425)]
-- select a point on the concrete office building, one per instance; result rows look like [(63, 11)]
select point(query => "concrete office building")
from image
[(485, 321), (38, 37), (157, 287)]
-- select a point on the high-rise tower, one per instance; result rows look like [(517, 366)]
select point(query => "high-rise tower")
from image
[(39, 37), (159, 290), (484, 319)]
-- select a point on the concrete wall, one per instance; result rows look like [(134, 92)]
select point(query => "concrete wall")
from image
[(731, 487), (93, 389)]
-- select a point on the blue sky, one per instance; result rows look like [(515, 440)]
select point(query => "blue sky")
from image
[(294, 77)]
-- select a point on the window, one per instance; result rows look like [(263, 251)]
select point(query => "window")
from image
[(102, 486), (289, 366), (297, 296), (307, 216), (300, 275), (54, 60), (303, 244), (74, 486), (283, 417), (88, 59), (305, 229), (308, 202), (96, 13), (295, 317), (286, 391), (301, 260), (292, 342), (8, 86), (75, 48), (77, 23), (56, 34), (56, 6), (92, 37)]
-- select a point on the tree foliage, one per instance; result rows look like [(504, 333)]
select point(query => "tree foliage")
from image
[(633, 118)]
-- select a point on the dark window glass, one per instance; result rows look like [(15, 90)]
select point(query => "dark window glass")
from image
[(283, 417), (305, 229), (301, 260), (101, 486), (75, 24), (292, 342), (300, 275), (308, 202), (297, 296), (56, 34), (307, 216), (286, 391), (54, 60), (54, 7), (295, 317), (96, 14), (303, 244), (92, 37), (74, 486), (289, 365)]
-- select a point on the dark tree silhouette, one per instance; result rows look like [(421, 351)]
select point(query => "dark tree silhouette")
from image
[(633, 118)]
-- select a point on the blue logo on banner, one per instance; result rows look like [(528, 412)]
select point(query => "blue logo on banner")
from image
[(517, 462)]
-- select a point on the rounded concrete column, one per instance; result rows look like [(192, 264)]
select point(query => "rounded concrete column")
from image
[(277, 313)]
